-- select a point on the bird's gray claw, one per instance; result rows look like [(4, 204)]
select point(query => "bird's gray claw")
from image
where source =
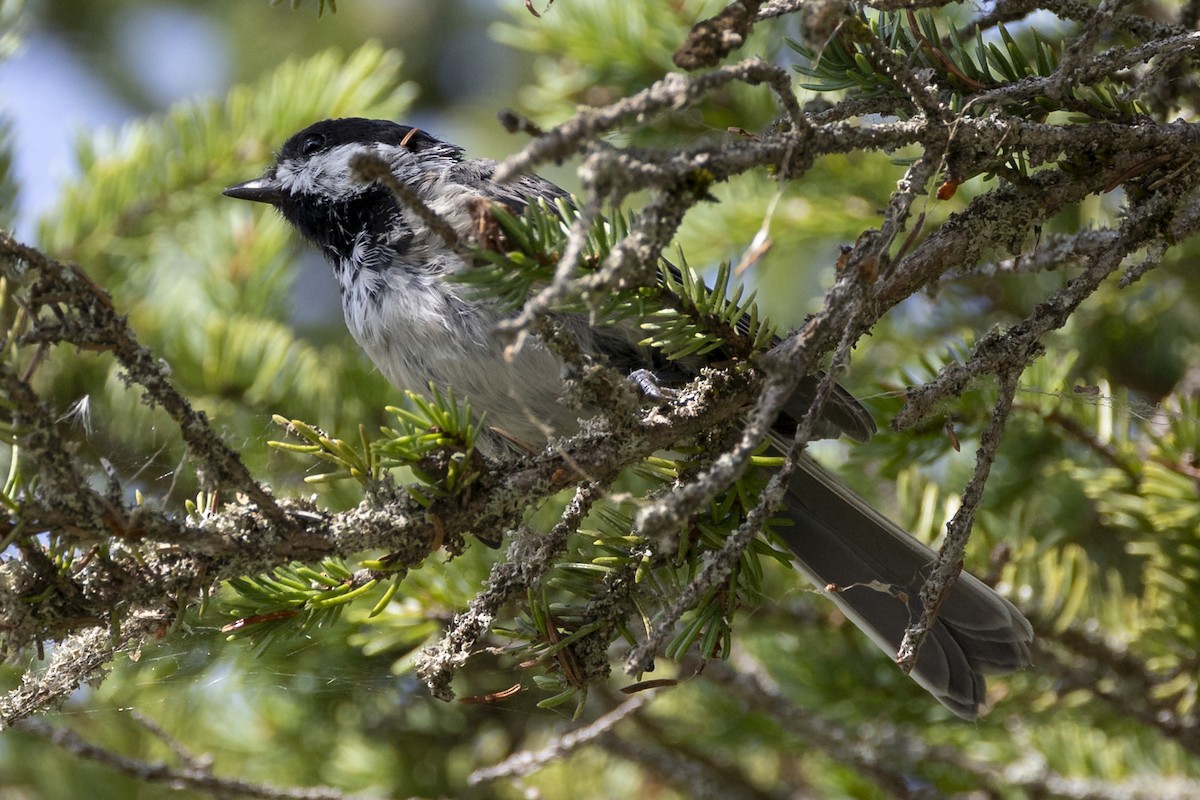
[(647, 383)]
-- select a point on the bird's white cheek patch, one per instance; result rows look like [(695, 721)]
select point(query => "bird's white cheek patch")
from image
[(328, 174)]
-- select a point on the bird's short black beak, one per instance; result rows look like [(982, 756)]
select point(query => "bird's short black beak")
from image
[(260, 190)]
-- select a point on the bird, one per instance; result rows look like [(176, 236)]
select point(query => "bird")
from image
[(395, 271)]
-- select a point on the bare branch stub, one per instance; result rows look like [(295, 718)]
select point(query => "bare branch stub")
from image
[(712, 39)]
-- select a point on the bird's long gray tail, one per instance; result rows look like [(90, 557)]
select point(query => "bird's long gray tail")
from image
[(878, 569)]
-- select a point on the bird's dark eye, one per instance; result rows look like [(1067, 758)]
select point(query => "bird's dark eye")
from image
[(312, 144)]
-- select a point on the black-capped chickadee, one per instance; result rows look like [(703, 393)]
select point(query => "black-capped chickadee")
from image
[(419, 327)]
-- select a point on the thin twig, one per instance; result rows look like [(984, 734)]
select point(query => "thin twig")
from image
[(370, 168), (674, 92), (527, 762), (198, 777), (949, 563), (529, 555)]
